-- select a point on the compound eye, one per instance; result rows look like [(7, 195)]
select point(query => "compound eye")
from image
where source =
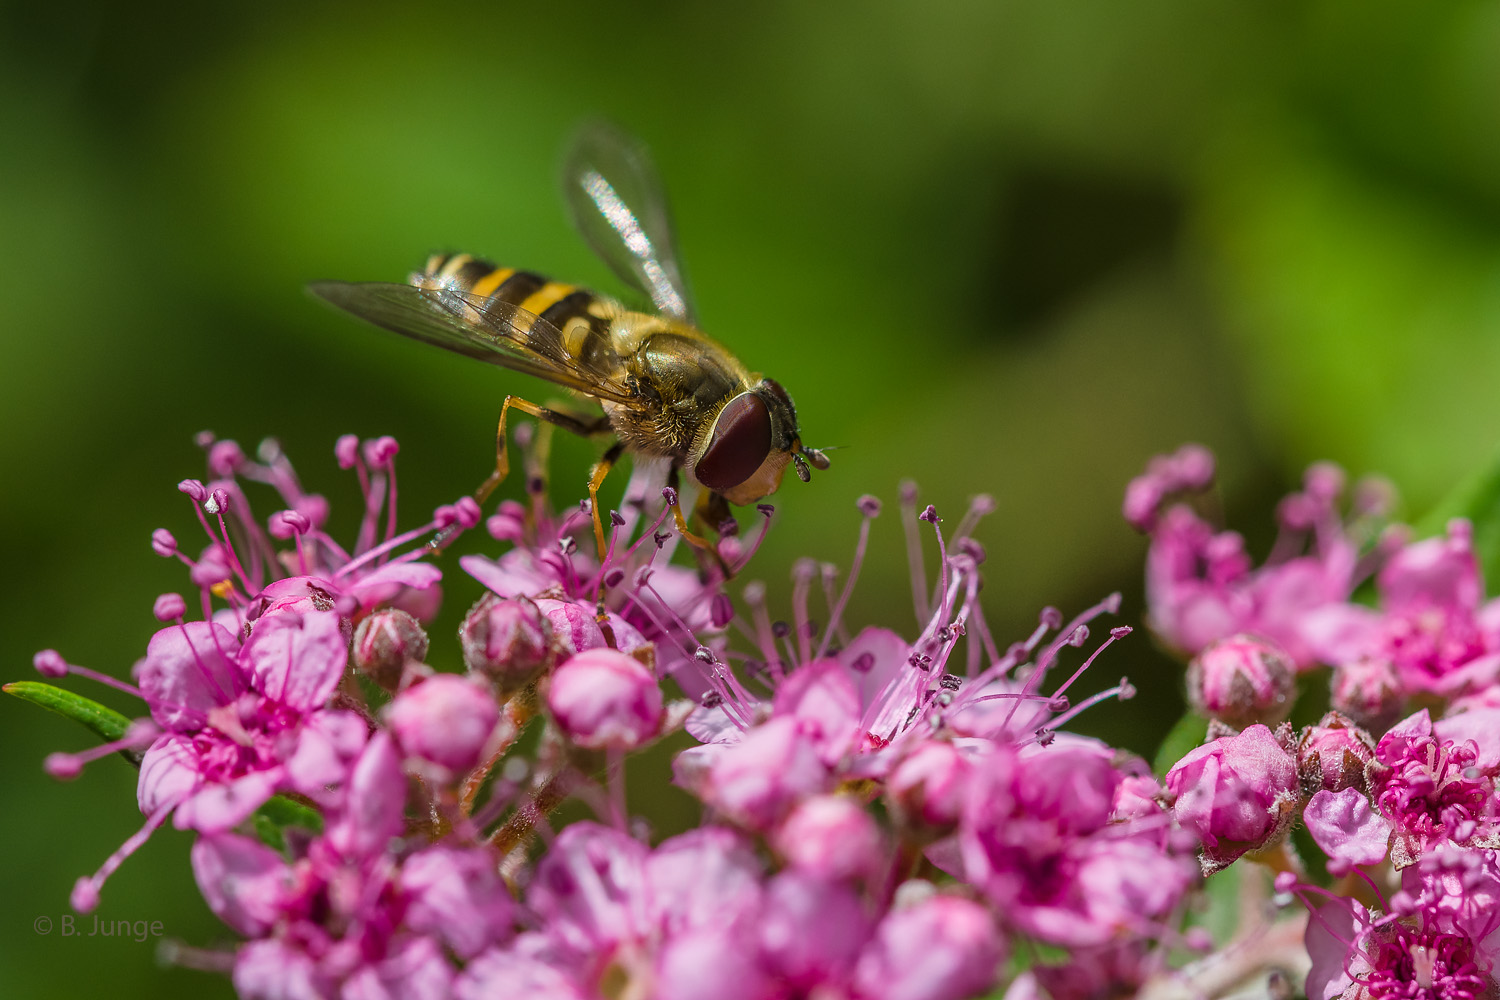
[(740, 443)]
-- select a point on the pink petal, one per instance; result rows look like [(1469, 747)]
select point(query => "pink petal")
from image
[(169, 773), (1348, 829), (221, 805), (375, 806), (243, 881), (326, 746), (189, 670), (295, 659)]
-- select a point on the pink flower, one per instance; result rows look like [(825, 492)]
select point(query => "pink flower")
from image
[(1039, 839), (1440, 942), (351, 912), (941, 948), (1201, 585), (1437, 782), (1240, 681), (445, 722), (1237, 793), (605, 700), (1432, 627), (832, 837), (1335, 754)]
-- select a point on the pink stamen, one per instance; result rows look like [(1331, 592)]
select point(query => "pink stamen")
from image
[(836, 614)]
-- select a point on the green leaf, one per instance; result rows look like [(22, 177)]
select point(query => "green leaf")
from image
[(271, 820), (285, 812), (105, 723), (1186, 733), (1478, 499)]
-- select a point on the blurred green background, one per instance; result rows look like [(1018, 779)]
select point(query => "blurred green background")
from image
[(1014, 247)]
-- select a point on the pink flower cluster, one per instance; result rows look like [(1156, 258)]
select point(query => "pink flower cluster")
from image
[(1405, 813), (881, 817)]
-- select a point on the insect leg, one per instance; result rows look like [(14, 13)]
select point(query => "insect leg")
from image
[(582, 426), (698, 542), (597, 480)]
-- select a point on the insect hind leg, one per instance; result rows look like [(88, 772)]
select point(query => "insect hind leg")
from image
[(583, 426)]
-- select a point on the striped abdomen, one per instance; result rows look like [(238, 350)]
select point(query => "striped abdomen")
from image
[(554, 301), (580, 318)]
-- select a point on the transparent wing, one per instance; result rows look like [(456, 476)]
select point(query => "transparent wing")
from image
[(616, 201), (485, 328)]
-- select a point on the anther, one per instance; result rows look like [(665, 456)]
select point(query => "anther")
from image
[(907, 490), (225, 458), (205, 439), (195, 490), (381, 451), (163, 543), (711, 699), (669, 495), (346, 451), (945, 635), (704, 655), (536, 486), (268, 451), (169, 607), (616, 520), (285, 523), (660, 537), (49, 663), (1044, 737), (468, 511), (1127, 690), (585, 506), (217, 502), (567, 545), (1051, 618), (950, 682), (930, 515), (613, 577), (1111, 604), (863, 663), (766, 509), (868, 505), (780, 629), (728, 528), (1078, 636), (1120, 631)]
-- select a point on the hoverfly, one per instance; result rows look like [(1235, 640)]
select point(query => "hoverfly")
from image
[(665, 388)]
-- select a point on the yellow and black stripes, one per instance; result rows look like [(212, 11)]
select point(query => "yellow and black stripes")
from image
[(578, 315)]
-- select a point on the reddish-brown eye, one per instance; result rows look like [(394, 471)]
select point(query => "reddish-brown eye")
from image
[(740, 443)]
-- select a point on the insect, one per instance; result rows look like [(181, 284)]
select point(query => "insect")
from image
[(665, 388)]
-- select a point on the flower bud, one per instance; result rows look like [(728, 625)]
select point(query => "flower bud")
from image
[(758, 780), (926, 789), (1241, 680), (939, 948), (1369, 691), (830, 837), (385, 642), (506, 640), (604, 699), (1237, 793), (1335, 755), (445, 720)]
